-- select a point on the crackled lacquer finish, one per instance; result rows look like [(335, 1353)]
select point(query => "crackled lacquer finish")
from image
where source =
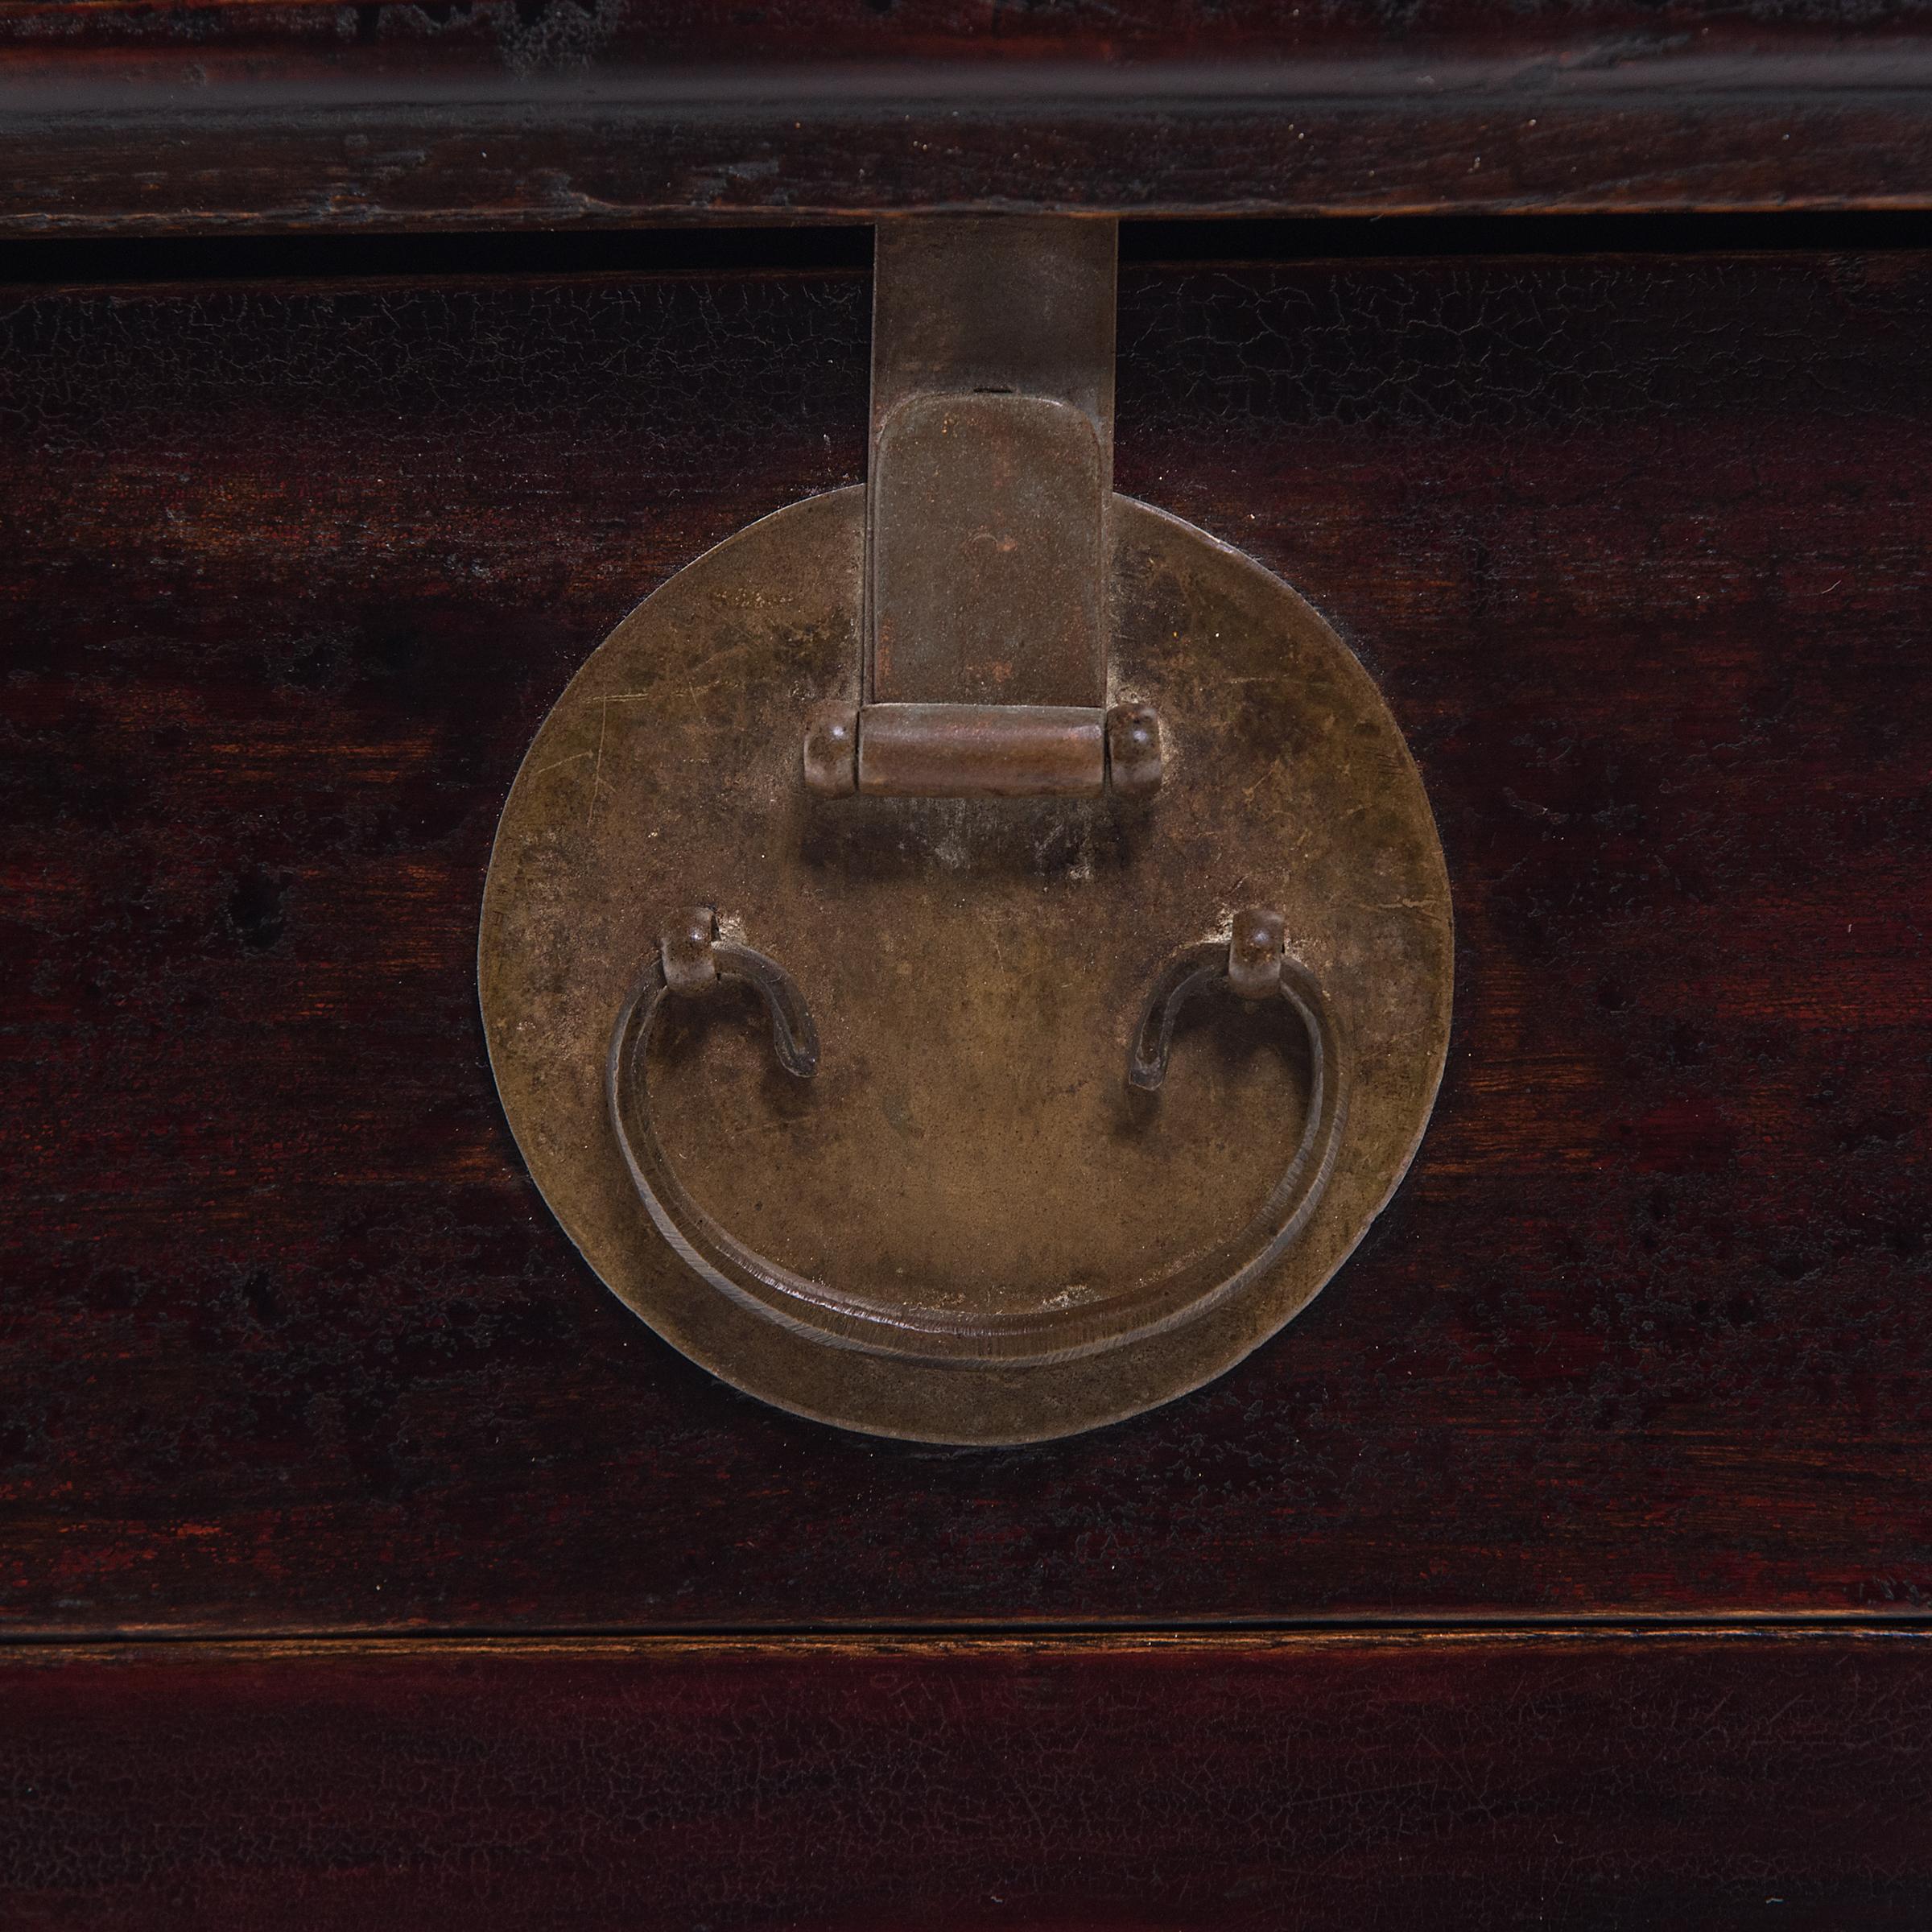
[(1611, 1782), (1636, 550)]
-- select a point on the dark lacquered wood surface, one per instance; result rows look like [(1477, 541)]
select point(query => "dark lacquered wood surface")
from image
[(130, 119), (689, 35), (1590, 1783), (1638, 550)]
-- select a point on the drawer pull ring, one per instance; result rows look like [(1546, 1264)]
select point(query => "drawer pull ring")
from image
[(693, 959), (1252, 965)]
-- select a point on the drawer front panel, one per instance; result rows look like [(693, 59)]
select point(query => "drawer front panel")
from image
[(1636, 550)]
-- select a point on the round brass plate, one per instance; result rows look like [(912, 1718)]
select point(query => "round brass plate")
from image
[(969, 1146)]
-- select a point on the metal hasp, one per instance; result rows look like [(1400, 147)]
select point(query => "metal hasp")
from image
[(975, 1102), (985, 616)]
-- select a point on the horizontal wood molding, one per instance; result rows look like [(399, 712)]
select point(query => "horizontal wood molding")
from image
[(1612, 1779), (149, 133)]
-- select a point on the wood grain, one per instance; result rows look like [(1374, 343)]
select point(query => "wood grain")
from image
[(123, 119), (1638, 550), (1590, 1781)]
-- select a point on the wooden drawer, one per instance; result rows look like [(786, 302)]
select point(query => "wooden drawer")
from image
[(1566, 1562), (1635, 546)]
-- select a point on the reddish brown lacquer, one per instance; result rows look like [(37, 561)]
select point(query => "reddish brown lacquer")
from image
[(1636, 549), (1261, 1784), (1625, 1411)]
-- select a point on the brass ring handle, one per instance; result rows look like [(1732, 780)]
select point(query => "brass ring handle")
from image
[(693, 959)]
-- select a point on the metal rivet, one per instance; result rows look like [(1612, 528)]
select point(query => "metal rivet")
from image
[(1134, 750), (831, 749), (1254, 953), (684, 947)]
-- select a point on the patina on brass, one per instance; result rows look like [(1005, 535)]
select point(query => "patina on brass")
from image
[(969, 1146), (990, 475), (1044, 1035), (693, 959)]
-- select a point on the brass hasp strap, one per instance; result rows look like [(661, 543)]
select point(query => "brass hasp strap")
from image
[(985, 623)]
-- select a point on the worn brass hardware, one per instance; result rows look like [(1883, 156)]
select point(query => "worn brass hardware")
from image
[(981, 751), (889, 1138), (986, 555), (693, 959)]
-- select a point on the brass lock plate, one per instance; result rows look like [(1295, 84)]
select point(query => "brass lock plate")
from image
[(978, 1214)]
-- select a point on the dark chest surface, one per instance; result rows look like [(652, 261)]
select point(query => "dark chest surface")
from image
[(360, 1556), (1636, 548)]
